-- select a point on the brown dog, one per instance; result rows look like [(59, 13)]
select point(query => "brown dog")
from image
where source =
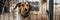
[(24, 9)]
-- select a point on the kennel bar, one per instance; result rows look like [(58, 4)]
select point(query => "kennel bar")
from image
[(50, 9), (1, 6)]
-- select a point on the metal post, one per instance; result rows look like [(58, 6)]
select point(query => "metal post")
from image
[(1, 5), (51, 9)]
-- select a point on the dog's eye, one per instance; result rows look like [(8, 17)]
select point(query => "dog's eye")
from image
[(22, 5), (27, 5)]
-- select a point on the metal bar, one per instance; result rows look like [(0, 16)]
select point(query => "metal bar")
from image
[(51, 9)]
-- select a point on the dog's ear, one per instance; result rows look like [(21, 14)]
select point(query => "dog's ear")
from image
[(17, 5), (30, 6)]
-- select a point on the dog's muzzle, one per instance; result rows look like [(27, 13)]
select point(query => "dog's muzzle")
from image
[(26, 13)]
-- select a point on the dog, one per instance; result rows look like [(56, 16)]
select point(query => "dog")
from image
[(24, 9)]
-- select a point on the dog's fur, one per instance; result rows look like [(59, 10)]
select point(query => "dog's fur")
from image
[(24, 9)]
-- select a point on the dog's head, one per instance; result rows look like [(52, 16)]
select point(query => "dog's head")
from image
[(24, 8)]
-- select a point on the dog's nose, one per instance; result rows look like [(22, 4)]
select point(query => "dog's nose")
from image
[(26, 10)]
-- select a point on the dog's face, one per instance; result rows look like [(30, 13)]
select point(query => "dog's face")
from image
[(24, 8)]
